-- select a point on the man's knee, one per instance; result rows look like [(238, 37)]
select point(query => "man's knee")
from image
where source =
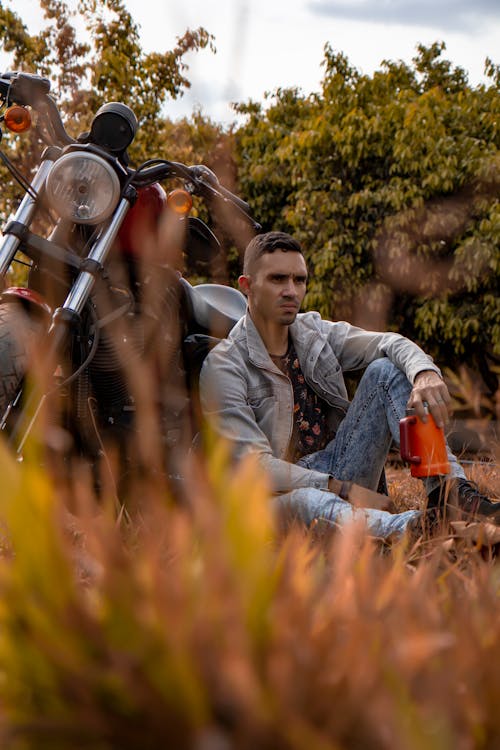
[(383, 370), (383, 373)]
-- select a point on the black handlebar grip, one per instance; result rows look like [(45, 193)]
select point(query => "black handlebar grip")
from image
[(205, 175), (28, 89), (5, 84)]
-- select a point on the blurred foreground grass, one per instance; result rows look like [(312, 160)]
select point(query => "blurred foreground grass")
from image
[(204, 628)]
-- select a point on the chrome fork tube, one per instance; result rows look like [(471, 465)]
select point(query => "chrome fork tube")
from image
[(64, 316), (80, 291), (23, 215)]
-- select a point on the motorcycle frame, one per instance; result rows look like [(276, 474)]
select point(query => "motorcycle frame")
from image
[(17, 235)]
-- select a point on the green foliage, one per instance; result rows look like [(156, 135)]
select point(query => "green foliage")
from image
[(110, 65), (123, 72), (390, 178), (390, 181)]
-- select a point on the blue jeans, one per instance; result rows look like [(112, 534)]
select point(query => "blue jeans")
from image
[(359, 451)]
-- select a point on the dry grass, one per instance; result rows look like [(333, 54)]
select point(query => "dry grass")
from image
[(407, 492), (199, 627)]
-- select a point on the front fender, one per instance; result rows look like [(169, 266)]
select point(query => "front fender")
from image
[(32, 301)]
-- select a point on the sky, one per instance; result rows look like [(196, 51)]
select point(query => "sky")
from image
[(265, 44)]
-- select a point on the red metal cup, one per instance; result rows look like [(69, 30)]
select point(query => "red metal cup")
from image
[(422, 444)]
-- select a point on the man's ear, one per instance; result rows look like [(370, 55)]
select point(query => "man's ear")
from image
[(244, 284)]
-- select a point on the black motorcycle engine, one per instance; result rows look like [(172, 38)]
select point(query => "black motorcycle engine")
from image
[(114, 356)]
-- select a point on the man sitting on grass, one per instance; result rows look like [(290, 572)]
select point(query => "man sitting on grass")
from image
[(275, 387)]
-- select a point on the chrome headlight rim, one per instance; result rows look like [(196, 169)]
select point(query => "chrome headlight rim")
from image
[(72, 183)]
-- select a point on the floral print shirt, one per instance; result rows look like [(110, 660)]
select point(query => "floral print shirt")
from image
[(310, 431)]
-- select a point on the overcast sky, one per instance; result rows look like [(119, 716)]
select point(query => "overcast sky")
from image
[(265, 44)]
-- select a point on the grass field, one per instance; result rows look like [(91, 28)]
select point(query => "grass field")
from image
[(203, 628)]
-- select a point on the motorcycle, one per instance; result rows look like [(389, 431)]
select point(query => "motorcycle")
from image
[(105, 245)]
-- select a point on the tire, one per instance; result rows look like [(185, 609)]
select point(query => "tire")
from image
[(17, 335)]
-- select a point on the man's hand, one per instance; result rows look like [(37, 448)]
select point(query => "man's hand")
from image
[(429, 389)]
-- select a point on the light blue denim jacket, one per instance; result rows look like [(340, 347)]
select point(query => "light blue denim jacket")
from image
[(250, 401)]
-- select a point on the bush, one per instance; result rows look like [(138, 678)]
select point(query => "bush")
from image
[(391, 183)]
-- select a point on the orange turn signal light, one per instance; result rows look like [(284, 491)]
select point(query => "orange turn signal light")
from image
[(180, 201), (17, 119)]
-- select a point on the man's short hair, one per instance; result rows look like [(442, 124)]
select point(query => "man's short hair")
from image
[(268, 243)]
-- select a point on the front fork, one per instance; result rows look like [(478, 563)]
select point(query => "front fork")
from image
[(66, 317), (23, 216)]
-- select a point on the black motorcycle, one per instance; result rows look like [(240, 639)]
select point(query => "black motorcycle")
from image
[(105, 248)]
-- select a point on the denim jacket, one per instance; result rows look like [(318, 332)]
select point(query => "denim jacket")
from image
[(250, 401)]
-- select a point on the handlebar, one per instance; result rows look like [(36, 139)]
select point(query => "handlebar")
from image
[(206, 177), (202, 181), (33, 90), (23, 88), (28, 89)]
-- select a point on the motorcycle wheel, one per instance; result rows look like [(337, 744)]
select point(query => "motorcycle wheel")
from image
[(17, 334)]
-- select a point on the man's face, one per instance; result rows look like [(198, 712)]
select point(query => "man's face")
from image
[(276, 287)]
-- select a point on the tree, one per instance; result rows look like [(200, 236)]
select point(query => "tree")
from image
[(111, 65), (391, 183)]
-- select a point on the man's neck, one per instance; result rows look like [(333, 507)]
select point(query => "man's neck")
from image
[(274, 336)]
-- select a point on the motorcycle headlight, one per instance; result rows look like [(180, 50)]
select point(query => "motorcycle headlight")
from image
[(83, 188)]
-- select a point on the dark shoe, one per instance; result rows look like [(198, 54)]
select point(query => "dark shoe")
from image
[(460, 499), (474, 503), (438, 504)]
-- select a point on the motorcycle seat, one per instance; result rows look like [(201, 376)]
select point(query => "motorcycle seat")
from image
[(214, 307)]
